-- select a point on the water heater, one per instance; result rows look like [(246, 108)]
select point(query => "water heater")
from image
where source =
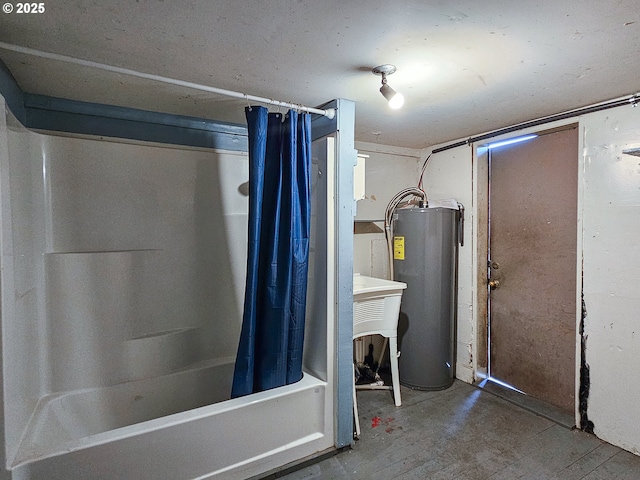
[(425, 253)]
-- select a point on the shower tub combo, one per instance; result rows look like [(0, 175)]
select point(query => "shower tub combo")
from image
[(122, 287)]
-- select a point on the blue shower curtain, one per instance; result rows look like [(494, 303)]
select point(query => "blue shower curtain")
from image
[(270, 349)]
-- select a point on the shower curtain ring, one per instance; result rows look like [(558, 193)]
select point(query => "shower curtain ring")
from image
[(246, 97)]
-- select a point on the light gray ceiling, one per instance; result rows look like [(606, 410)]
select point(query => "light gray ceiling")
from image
[(465, 66)]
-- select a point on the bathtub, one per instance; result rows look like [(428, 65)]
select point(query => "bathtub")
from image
[(119, 327), (121, 290), (76, 435)]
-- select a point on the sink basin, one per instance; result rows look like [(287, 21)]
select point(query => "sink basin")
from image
[(376, 305)]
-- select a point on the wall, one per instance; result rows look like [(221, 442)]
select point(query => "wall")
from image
[(449, 175), (611, 254), (388, 170)]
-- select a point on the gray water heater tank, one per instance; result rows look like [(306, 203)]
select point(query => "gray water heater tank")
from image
[(425, 258)]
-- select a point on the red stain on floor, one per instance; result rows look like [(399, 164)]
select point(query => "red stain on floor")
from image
[(377, 421)]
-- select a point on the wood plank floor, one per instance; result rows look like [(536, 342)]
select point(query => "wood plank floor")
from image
[(466, 433)]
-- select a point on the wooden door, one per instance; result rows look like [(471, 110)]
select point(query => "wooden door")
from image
[(533, 263)]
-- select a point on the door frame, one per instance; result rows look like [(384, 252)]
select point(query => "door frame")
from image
[(480, 159)]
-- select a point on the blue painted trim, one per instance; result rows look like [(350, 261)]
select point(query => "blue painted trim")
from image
[(346, 159), (43, 102), (322, 126), (42, 112), (11, 92), (63, 115)]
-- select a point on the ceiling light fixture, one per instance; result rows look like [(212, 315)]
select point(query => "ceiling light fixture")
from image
[(395, 99)]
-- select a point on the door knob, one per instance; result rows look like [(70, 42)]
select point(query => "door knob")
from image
[(493, 284)]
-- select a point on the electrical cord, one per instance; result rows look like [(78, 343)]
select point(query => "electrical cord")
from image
[(422, 170)]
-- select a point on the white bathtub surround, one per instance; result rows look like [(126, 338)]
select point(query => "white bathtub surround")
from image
[(122, 288)]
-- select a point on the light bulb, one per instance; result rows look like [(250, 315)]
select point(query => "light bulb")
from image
[(396, 101)]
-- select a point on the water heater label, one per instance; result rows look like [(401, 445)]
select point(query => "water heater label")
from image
[(398, 248)]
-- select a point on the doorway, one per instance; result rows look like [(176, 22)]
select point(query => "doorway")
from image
[(531, 266)]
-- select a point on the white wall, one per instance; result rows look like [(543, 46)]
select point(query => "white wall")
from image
[(449, 174), (611, 252), (388, 170)]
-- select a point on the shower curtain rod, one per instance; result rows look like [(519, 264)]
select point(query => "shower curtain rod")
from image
[(329, 113)]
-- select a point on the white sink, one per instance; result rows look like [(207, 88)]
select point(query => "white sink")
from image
[(376, 305)]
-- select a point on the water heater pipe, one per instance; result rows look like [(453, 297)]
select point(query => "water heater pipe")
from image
[(394, 203)]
